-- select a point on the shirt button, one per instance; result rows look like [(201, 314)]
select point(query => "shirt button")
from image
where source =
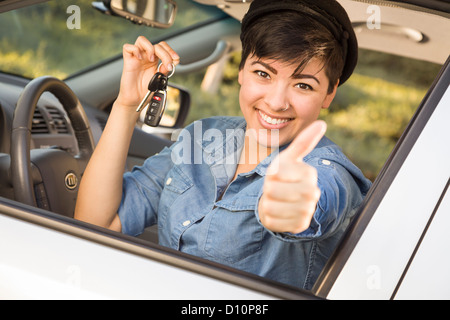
[(186, 223), (168, 181), (326, 162)]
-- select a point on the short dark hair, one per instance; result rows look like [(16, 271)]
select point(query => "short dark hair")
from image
[(295, 38)]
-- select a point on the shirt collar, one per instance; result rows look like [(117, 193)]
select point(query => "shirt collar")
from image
[(221, 143), (223, 146)]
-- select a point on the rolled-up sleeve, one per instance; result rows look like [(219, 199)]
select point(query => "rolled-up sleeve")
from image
[(340, 197)]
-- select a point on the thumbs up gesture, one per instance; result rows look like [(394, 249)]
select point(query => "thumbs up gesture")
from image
[(290, 191)]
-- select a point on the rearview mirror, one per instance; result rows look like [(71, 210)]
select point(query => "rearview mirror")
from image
[(154, 13)]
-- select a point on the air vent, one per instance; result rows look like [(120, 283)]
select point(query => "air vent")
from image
[(47, 120), (39, 125), (57, 120)]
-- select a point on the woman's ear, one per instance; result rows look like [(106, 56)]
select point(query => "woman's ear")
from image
[(240, 76), (330, 96)]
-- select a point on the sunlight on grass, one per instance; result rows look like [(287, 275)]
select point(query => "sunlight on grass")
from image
[(369, 117), (27, 63)]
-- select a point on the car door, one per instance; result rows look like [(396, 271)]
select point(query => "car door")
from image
[(49, 256), (397, 247)]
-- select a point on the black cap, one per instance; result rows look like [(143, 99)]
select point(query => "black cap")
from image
[(327, 12)]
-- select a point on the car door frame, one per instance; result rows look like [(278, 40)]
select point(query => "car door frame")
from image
[(43, 252), (358, 269)]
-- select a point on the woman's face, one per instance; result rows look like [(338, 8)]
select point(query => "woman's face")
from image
[(277, 104)]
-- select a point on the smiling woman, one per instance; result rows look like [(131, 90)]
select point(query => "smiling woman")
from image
[(236, 212)]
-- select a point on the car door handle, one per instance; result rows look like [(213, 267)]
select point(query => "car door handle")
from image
[(221, 49)]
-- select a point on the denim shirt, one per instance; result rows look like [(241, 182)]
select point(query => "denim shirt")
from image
[(186, 190)]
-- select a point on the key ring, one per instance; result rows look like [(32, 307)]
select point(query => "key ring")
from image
[(173, 70)]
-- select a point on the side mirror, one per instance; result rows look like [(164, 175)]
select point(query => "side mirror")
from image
[(153, 13)]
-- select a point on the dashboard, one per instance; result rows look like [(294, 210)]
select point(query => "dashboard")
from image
[(51, 129)]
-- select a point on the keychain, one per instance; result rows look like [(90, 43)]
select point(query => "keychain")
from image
[(157, 104)]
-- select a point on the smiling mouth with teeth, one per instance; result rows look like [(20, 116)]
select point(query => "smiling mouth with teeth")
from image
[(273, 121)]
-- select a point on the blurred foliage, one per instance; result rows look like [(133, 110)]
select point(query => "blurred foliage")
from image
[(373, 108), (36, 40), (367, 117)]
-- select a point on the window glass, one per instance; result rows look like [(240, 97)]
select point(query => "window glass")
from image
[(63, 37)]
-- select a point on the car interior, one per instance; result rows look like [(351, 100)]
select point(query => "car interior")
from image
[(49, 126)]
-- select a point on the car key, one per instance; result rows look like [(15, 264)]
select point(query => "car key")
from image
[(156, 106), (158, 81)]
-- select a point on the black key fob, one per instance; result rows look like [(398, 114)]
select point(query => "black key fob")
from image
[(156, 108), (157, 89)]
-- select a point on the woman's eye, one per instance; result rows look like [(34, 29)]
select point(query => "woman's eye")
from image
[(262, 74), (304, 86)]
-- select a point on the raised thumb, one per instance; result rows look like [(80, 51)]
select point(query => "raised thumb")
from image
[(306, 141)]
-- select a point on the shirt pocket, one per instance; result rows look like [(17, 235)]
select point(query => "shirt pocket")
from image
[(175, 185), (233, 232)]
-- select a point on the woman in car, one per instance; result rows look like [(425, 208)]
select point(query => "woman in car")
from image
[(266, 193)]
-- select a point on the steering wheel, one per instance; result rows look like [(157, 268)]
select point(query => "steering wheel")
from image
[(48, 178)]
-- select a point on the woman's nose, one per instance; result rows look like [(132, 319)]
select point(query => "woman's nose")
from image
[(276, 98)]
